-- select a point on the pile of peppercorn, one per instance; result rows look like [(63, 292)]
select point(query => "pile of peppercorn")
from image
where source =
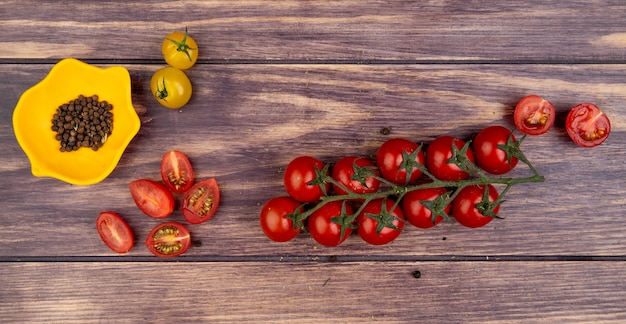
[(83, 122)]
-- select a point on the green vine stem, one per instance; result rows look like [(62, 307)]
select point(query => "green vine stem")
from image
[(478, 177)]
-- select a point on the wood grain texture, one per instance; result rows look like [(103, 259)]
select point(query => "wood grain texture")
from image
[(386, 292), (317, 30), (246, 122), (279, 78)]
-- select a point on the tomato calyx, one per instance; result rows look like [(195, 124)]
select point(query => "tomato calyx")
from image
[(488, 208), (438, 206), (385, 218), (161, 93), (321, 178), (409, 163), (459, 157), (182, 46), (345, 220)]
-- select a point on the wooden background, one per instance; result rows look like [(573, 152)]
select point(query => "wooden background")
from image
[(278, 79)]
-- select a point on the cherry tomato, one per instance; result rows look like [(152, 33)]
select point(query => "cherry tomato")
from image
[(152, 198), (464, 205), (376, 225), (415, 211), (201, 201), (168, 240), (114, 232), (176, 172), (323, 230), (180, 50), (298, 175), (488, 155), (587, 125), (439, 152), (391, 162), (344, 173), (171, 87), (534, 115), (274, 221)]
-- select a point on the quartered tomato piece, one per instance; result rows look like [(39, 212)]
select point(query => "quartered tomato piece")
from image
[(152, 198), (114, 232), (168, 240), (201, 201), (176, 172), (587, 125), (534, 115)]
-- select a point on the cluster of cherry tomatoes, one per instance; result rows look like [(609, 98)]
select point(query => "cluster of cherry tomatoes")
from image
[(330, 204), (200, 201), (170, 85)]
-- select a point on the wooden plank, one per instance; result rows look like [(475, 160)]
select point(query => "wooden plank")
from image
[(246, 122), (317, 30), (307, 292)]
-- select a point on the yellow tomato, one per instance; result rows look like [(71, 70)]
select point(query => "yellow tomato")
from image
[(180, 50), (171, 87)]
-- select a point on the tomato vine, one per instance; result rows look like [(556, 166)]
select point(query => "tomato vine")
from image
[(392, 193)]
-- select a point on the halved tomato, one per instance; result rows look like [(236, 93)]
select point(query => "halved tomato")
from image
[(114, 232), (587, 125), (201, 201), (168, 240), (152, 198), (534, 115), (176, 172)]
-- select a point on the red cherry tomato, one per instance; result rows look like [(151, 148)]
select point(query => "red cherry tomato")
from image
[(298, 174), (176, 172), (391, 163), (368, 222), (464, 207), (152, 198), (418, 214), (201, 201), (439, 152), (587, 125), (168, 240), (274, 221), (344, 172), (534, 115), (488, 155), (114, 232), (323, 230)]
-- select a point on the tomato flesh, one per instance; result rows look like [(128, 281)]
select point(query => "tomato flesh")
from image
[(168, 240), (201, 201), (115, 232), (274, 221), (534, 115), (587, 125), (176, 172), (152, 198)]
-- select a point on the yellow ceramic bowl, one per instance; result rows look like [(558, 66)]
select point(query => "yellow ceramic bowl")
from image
[(32, 121)]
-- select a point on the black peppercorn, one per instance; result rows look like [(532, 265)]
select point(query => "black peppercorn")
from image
[(82, 122)]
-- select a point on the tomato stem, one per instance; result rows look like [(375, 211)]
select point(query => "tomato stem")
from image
[(398, 191)]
